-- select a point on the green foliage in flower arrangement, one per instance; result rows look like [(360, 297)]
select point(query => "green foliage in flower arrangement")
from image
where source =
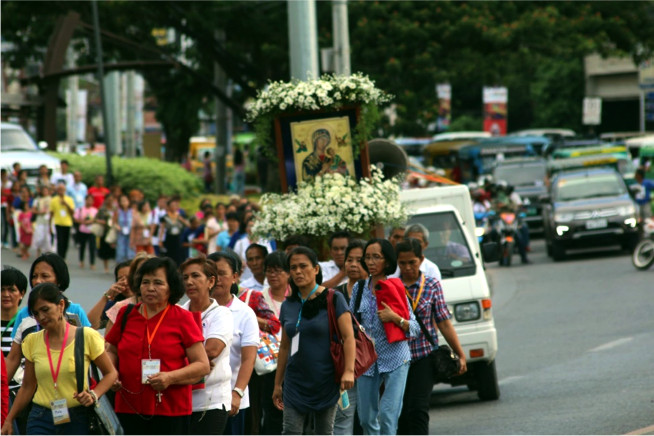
[(330, 92), (151, 176)]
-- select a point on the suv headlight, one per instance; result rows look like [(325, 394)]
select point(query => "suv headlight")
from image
[(467, 311), (627, 210), (563, 217)]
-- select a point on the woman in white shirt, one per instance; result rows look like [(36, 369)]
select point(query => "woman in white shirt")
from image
[(245, 339), (211, 401)]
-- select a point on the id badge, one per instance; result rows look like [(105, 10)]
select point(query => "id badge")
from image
[(146, 233), (125, 231), (149, 367), (62, 213), (59, 411), (295, 343), (174, 231)]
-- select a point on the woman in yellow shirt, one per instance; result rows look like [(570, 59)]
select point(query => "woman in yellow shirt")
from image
[(57, 407)]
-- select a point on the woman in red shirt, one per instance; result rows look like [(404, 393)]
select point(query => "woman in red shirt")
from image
[(159, 354)]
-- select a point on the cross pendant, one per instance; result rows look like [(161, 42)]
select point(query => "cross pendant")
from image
[(159, 395)]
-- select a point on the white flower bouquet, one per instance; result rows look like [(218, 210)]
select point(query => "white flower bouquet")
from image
[(331, 203), (330, 92)]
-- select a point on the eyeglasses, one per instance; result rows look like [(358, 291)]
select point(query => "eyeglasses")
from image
[(374, 258)]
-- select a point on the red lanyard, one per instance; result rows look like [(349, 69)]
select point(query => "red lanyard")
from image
[(55, 374), (151, 336)]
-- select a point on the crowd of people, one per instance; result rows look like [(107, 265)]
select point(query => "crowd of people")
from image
[(182, 331)]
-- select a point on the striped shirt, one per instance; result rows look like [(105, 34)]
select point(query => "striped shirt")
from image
[(430, 305), (6, 336)]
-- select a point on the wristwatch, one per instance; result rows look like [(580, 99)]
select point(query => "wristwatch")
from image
[(239, 391), (401, 322)]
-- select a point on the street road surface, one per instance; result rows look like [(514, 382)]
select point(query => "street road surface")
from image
[(576, 347)]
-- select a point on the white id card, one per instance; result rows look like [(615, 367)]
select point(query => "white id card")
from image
[(149, 367), (59, 411), (146, 233), (125, 231), (295, 343), (62, 213)]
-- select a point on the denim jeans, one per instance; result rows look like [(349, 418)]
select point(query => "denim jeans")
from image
[(294, 420), (344, 421), (40, 421), (380, 417), (123, 250)]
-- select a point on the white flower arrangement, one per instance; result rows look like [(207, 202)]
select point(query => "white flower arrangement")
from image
[(331, 203), (327, 93)]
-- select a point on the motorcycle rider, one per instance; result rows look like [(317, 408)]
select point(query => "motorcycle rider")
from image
[(505, 199)]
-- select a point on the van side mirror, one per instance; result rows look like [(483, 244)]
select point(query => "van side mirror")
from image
[(490, 251)]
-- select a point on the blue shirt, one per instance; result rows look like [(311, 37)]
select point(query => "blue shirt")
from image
[(72, 308), (390, 356), (77, 191), (645, 196), (222, 240), (309, 383)]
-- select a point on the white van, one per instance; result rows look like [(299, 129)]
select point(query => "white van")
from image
[(447, 213)]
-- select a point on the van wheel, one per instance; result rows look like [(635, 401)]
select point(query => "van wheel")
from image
[(558, 252), (488, 387)]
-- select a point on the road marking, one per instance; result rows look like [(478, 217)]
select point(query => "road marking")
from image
[(610, 345), (641, 431), (510, 379)]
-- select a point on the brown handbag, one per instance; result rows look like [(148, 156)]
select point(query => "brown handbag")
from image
[(365, 356)]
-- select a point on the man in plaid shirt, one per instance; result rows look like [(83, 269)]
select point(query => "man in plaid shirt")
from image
[(427, 301)]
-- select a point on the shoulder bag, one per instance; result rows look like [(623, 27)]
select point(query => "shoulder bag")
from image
[(445, 362), (102, 418), (267, 351), (365, 355)]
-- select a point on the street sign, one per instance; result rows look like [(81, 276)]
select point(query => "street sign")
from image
[(592, 111)]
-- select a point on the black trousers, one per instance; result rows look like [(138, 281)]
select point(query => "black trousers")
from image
[(210, 422), (63, 236), (155, 425), (85, 239), (414, 418)]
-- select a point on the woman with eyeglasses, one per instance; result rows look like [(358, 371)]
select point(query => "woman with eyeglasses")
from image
[(305, 366), (380, 415)]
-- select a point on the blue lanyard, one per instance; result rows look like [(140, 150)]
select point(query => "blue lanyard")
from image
[(299, 316)]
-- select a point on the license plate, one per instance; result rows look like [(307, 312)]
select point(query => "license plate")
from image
[(596, 224)]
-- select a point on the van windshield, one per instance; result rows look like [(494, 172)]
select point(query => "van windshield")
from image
[(523, 175), (447, 245), (16, 140)]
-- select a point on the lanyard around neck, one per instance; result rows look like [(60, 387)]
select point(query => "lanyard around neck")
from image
[(55, 373), (147, 326), (304, 300), (10, 323), (414, 303)]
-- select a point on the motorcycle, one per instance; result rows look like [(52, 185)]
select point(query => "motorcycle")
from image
[(643, 255)]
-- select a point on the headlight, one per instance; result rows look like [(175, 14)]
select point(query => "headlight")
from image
[(467, 311), (563, 217), (627, 210)]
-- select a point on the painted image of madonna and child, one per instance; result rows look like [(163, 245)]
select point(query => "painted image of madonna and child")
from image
[(327, 153)]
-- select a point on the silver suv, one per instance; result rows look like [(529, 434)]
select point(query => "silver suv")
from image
[(18, 146)]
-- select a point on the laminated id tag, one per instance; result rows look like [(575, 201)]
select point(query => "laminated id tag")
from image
[(295, 343), (146, 233), (62, 213), (149, 367), (125, 231), (59, 411)]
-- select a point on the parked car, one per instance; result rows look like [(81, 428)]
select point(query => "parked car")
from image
[(18, 146), (588, 208), (527, 176)]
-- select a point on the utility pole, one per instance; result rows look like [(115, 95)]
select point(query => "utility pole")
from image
[(73, 87), (222, 128), (130, 136), (303, 39), (98, 47), (341, 38)]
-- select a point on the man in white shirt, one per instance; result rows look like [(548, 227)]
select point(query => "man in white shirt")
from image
[(64, 176), (255, 255), (333, 271), (157, 213)]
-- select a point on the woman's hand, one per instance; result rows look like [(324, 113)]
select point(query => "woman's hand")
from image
[(386, 314), (236, 404), (464, 366), (85, 398), (116, 288), (160, 381), (117, 386), (277, 397), (8, 427), (347, 380)]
